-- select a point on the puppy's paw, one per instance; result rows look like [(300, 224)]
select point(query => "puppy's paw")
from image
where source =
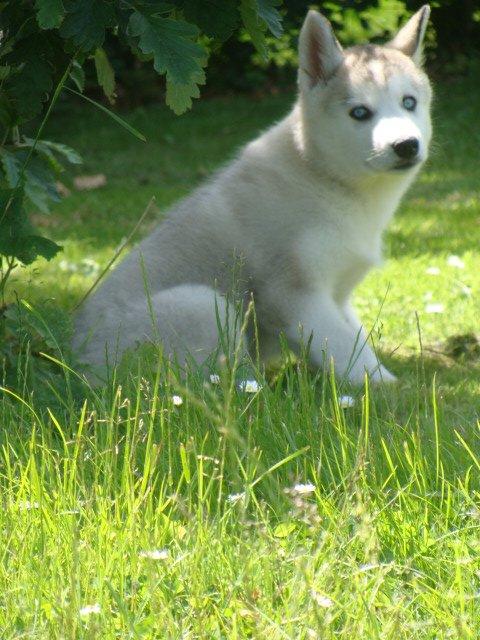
[(378, 375), (382, 375)]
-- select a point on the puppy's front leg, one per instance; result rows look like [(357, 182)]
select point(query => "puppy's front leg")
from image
[(381, 373), (333, 336)]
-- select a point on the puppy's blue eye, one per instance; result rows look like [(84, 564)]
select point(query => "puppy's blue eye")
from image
[(409, 102), (361, 113)]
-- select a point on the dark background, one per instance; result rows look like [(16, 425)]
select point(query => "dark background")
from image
[(452, 47)]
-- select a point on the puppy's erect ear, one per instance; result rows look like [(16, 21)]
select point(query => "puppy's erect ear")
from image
[(410, 37), (319, 51)]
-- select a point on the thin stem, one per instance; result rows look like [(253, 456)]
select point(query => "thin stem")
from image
[(11, 264), (53, 101), (117, 253)]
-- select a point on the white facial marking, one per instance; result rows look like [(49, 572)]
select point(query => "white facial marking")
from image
[(389, 130), (377, 69)]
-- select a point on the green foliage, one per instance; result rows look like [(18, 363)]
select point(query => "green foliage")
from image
[(29, 176), (86, 22), (25, 336), (217, 19), (105, 74), (256, 16), (171, 44), (355, 25), (49, 13), (17, 237), (45, 46)]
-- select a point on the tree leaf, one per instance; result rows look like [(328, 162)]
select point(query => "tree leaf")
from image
[(11, 167), (7, 111), (105, 74), (38, 181), (29, 88), (39, 185), (270, 15), (5, 72), (27, 248), (179, 96), (77, 74), (85, 23), (17, 236), (254, 25), (67, 152), (49, 13), (258, 16), (170, 42), (215, 18)]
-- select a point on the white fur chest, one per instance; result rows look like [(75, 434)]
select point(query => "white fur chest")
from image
[(344, 243), (332, 259)]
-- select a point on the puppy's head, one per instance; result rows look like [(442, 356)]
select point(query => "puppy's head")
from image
[(364, 110)]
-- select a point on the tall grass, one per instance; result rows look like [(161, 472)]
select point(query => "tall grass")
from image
[(175, 508), (291, 512)]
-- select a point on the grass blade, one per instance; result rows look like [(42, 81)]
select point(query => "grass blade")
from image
[(123, 123)]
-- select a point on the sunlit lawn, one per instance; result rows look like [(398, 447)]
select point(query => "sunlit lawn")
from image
[(130, 517)]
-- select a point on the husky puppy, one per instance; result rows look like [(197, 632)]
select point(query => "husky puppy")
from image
[(303, 206)]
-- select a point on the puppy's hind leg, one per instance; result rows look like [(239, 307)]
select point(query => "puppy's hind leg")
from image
[(193, 321)]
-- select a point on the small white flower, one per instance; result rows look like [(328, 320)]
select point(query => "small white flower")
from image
[(466, 290), (88, 609), (26, 505), (208, 459), (433, 271), (321, 600), (233, 498), (155, 554), (304, 489), (66, 265), (214, 378), (89, 267), (455, 261), (346, 402), (434, 307), (177, 401), (249, 386)]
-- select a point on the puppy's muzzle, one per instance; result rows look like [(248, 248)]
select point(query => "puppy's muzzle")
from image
[(407, 149)]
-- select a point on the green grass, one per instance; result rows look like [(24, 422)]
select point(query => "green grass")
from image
[(385, 546)]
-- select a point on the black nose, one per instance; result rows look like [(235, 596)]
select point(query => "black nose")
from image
[(406, 149)]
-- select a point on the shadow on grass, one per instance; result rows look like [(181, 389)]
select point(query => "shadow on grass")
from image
[(422, 377)]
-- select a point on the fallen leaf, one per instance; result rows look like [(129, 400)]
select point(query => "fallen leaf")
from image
[(62, 189), (87, 183)]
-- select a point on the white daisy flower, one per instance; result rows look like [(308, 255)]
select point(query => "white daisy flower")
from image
[(466, 290), (26, 505), (433, 271), (233, 498), (434, 307), (88, 609), (346, 402), (155, 554), (455, 261), (66, 265), (304, 489), (249, 386), (177, 401), (321, 600)]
